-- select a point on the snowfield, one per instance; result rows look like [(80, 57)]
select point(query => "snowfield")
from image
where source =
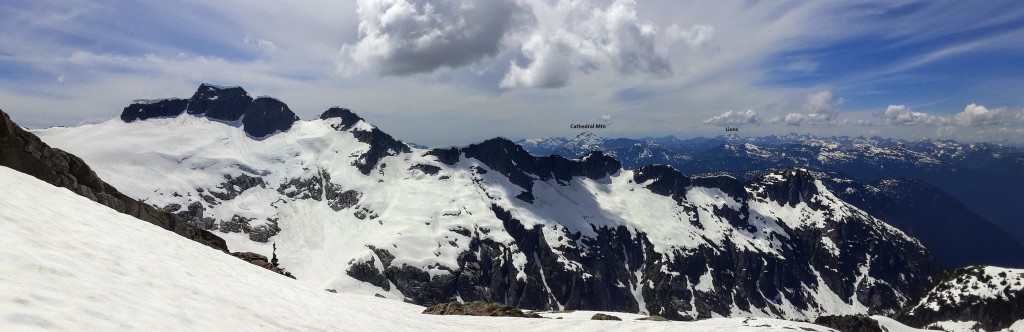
[(72, 264), (423, 219)]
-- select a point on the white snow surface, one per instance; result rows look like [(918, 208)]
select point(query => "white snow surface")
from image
[(892, 325), (72, 264), (994, 283), (165, 161)]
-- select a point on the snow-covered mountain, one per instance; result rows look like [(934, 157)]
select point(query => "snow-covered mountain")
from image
[(984, 177), (71, 264), (353, 209), (975, 298)]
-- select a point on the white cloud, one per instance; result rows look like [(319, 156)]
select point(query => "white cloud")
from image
[(978, 115), (570, 37), (695, 36), (734, 118), (819, 108), (544, 42), (646, 59), (266, 46), (402, 37), (902, 115)]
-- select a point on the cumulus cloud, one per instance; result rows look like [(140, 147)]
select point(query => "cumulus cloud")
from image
[(545, 42), (575, 36), (973, 115), (819, 108), (734, 118), (977, 115), (402, 37), (902, 115)]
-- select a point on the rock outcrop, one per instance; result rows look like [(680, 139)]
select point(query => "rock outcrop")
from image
[(854, 323), (219, 103), (262, 261), (477, 308), (381, 144), (265, 116), (600, 316), (991, 296), (512, 161), (24, 152), (148, 109)]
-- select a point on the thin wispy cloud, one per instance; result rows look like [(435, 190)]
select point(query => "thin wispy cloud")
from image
[(657, 67)]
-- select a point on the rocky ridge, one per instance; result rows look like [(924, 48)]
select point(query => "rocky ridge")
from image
[(259, 117), (491, 222)]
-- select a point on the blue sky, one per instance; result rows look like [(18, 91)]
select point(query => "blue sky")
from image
[(443, 72)]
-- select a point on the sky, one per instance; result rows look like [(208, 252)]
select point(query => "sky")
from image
[(442, 72)]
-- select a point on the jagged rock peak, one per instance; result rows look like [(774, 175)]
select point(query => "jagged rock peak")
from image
[(348, 118), (510, 159), (147, 109), (266, 116), (789, 186), (221, 103), (259, 117)]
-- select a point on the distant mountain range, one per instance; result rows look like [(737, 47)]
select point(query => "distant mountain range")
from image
[(966, 201), (344, 206)]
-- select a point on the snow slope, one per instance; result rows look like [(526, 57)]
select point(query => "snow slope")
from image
[(414, 210), (72, 264)]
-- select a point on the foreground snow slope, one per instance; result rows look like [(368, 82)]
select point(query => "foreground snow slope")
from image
[(72, 264)]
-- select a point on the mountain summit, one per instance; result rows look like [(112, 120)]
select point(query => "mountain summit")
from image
[(259, 117), (353, 209)]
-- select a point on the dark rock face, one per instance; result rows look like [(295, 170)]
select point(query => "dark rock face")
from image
[(600, 316), (959, 296), (234, 186), (794, 188), (857, 323), (381, 144), (260, 118), (225, 104), (194, 214), (261, 261), (167, 108), (477, 308), (265, 116), (318, 188), (348, 118), (448, 156), (426, 169), (24, 152), (667, 181), (258, 233)]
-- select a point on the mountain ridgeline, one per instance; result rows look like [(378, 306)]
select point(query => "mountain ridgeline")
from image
[(259, 117), (348, 207), (961, 200)]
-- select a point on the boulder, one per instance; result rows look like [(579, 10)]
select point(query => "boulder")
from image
[(477, 308), (600, 316), (852, 323)]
